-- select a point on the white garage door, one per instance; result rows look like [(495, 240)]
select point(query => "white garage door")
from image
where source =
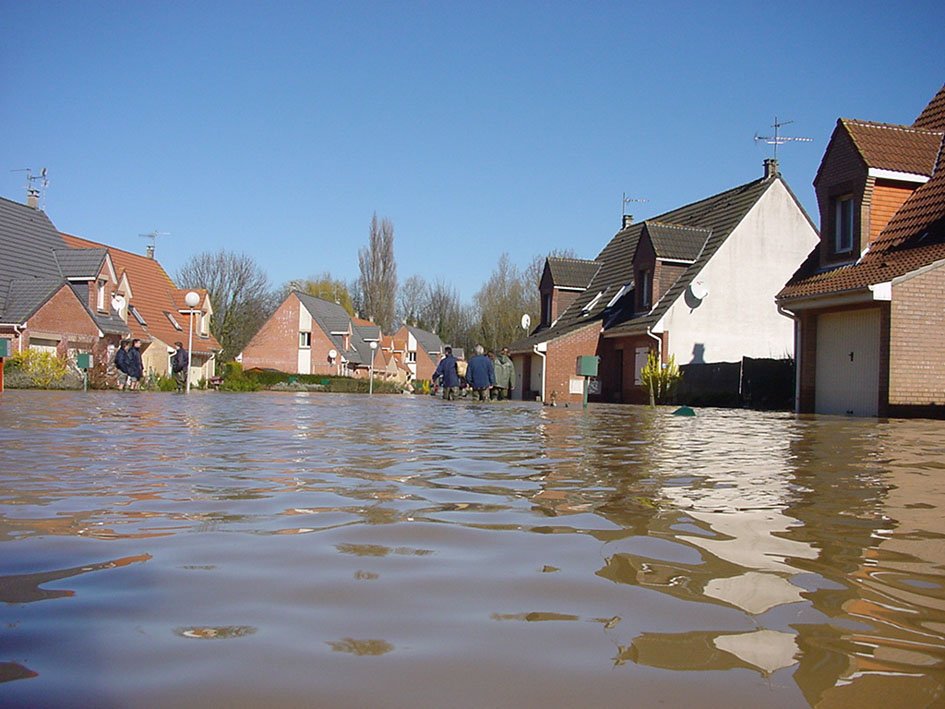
[(848, 363)]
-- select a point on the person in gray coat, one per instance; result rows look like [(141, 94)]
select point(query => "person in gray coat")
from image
[(504, 376)]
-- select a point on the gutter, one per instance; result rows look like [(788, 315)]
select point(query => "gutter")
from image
[(544, 365), (18, 329), (797, 355)]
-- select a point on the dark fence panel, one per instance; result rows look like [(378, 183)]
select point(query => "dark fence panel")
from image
[(752, 383)]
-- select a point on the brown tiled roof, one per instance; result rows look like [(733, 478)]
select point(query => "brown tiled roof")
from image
[(891, 147), (675, 241), (914, 237), (572, 272), (153, 296), (933, 116)]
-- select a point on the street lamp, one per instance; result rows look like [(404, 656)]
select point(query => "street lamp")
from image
[(192, 299), (371, 383)]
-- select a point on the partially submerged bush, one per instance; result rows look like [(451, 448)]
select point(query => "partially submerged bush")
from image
[(40, 370), (660, 380)]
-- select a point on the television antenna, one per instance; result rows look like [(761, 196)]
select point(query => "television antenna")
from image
[(153, 235), (39, 194), (627, 200), (778, 139)]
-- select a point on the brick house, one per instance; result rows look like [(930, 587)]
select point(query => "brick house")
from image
[(696, 283), (308, 335), (52, 297), (422, 351), (867, 302), (153, 310)]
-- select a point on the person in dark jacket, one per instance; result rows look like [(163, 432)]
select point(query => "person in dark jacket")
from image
[(134, 366), (480, 375), (448, 375), (179, 364), (121, 363)]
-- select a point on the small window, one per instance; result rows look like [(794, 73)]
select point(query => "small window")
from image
[(590, 306), (411, 356), (100, 300), (173, 320), (305, 340), (843, 224), (546, 308), (138, 316), (646, 288), (619, 295)]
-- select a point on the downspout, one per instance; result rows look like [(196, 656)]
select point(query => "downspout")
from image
[(544, 366), (797, 356), (659, 343)]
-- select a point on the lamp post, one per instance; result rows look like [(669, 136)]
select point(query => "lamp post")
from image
[(192, 299), (371, 383)]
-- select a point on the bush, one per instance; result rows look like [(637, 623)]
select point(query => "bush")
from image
[(235, 379), (660, 381), (271, 379), (42, 370)]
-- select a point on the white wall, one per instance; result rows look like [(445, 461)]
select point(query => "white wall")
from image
[(739, 316)]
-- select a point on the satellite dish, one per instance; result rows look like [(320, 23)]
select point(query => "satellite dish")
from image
[(698, 290), (332, 354), (526, 321), (118, 302)]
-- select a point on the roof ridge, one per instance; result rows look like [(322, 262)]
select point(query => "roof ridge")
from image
[(676, 225), (891, 126), (570, 258)]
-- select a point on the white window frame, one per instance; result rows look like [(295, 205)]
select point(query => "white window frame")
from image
[(844, 216), (305, 339), (100, 297)]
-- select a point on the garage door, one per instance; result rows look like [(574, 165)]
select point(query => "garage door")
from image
[(848, 363)]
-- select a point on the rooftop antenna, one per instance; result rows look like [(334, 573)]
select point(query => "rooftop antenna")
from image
[(35, 197), (625, 218), (153, 237), (778, 139)]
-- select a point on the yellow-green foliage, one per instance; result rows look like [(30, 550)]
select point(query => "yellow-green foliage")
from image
[(660, 380), (43, 368)]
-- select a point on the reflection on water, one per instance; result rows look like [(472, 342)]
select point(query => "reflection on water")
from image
[(508, 555)]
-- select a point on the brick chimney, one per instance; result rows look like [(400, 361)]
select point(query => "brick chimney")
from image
[(627, 220), (771, 168), (32, 198)]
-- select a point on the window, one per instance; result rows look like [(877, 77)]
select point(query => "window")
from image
[(546, 308), (590, 305), (173, 321), (100, 300), (305, 340), (138, 316), (646, 288), (411, 356), (843, 224)]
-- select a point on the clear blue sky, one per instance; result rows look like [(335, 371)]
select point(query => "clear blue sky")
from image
[(277, 129)]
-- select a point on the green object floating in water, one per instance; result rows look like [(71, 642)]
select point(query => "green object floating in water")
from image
[(684, 411)]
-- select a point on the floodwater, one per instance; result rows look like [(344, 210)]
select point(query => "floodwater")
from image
[(241, 550)]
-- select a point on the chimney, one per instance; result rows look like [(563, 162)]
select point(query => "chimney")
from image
[(32, 198), (150, 251), (627, 220), (771, 168)]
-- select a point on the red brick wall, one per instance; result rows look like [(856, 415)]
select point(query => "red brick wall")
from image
[(425, 365), (561, 363), (664, 276), (888, 197), (842, 172), (807, 371), (561, 301), (63, 316), (917, 340)]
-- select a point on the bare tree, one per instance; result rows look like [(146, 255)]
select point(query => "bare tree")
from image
[(240, 294), (411, 300), (379, 274), (501, 302), (444, 314)]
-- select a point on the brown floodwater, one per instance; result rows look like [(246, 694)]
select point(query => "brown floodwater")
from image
[(275, 550)]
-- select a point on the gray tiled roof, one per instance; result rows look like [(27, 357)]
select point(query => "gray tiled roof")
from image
[(26, 295), (717, 216), (572, 272), (675, 241), (109, 324), (427, 340), (27, 242), (80, 263), (331, 318)]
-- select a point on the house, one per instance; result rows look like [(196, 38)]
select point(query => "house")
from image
[(422, 351), (867, 302), (52, 297), (696, 284), (308, 335)]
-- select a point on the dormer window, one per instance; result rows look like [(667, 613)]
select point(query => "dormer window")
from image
[(843, 224), (546, 308), (100, 297)]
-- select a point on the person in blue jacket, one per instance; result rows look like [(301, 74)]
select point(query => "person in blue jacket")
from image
[(121, 363), (480, 374), (448, 375), (134, 366)]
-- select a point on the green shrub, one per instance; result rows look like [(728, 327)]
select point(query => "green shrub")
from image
[(42, 370), (660, 380), (235, 379)]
